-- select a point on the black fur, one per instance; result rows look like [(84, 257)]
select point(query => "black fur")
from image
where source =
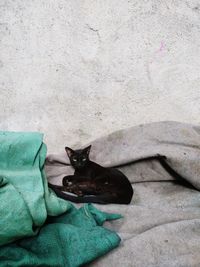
[(92, 182)]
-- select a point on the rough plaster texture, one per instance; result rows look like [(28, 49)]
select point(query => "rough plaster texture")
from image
[(77, 70)]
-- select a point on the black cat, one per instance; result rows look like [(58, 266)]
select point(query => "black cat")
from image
[(92, 182)]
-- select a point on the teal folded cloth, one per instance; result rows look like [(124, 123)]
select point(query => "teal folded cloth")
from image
[(30, 232), (72, 239), (25, 200)]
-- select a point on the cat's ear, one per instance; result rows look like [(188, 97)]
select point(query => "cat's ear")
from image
[(87, 150), (69, 151)]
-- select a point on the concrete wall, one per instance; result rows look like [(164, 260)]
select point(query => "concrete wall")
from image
[(77, 70)]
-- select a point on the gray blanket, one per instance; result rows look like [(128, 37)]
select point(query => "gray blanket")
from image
[(161, 226)]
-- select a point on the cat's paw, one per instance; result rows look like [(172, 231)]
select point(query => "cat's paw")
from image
[(67, 180), (79, 193)]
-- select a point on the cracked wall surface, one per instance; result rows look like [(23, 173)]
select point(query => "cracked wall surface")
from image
[(77, 70)]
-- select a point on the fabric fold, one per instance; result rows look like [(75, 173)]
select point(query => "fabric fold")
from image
[(72, 239), (36, 227)]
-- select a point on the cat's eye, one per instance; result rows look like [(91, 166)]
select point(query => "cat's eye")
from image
[(74, 159), (83, 159)]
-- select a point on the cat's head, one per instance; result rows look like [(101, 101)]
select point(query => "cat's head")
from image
[(78, 158)]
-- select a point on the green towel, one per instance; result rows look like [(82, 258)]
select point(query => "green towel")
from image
[(72, 239), (25, 200), (69, 240)]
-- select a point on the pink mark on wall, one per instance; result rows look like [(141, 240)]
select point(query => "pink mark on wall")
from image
[(155, 58), (162, 46), (158, 52)]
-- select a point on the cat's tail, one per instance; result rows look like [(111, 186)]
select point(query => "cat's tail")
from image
[(99, 199), (59, 190)]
